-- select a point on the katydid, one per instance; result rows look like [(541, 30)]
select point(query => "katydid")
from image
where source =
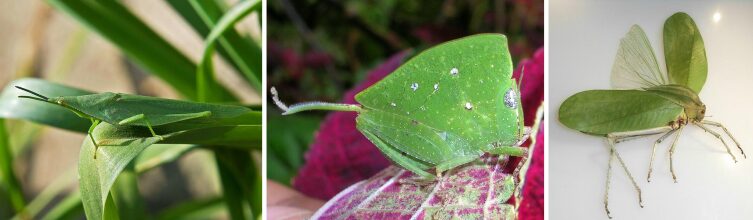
[(446, 107), (647, 101), (133, 110)]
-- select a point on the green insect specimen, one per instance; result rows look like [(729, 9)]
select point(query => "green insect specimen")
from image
[(648, 101), (133, 110), (447, 106)]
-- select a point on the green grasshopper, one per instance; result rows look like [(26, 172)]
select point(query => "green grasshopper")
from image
[(652, 102), (133, 110), (446, 107)]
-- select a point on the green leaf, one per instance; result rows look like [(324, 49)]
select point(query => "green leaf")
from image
[(69, 208), (125, 192), (684, 52), (205, 73), (140, 43), (199, 209), (242, 53), (159, 154), (238, 136), (44, 113), (8, 175), (96, 176)]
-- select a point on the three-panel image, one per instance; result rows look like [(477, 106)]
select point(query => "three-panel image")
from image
[(325, 109)]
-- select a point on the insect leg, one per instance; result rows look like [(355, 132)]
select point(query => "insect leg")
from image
[(406, 162), (611, 141), (609, 178), (137, 118), (449, 164), (95, 122), (672, 152), (718, 137), (509, 150), (653, 152), (726, 131)]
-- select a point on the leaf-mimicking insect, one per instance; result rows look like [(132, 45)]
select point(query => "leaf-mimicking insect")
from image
[(648, 101), (134, 110), (447, 106)]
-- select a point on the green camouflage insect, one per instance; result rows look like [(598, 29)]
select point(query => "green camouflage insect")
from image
[(447, 106), (649, 102), (134, 110)]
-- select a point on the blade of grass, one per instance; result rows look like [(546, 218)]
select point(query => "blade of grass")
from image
[(69, 208), (200, 209), (232, 190), (140, 43), (206, 82), (241, 52), (12, 185), (48, 194), (125, 192)]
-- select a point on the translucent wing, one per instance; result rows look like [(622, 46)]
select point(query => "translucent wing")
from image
[(635, 65)]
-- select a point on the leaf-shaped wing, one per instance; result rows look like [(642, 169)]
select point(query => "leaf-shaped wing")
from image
[(684, 52), (600, 112), (635, 65), (479, 190), (463, 87)]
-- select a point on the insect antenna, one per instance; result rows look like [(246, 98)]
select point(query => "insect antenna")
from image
[(306, 106), (38, 96)]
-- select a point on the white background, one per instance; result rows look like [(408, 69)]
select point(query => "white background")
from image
[(583, 40)]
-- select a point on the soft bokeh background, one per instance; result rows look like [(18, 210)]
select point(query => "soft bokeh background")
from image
[(328, 50), (39, 41), (584, 36)]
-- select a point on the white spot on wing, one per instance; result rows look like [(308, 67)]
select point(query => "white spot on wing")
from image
[(468, 106), (454, 71), (393, 104), (414, 86), (511, 100)]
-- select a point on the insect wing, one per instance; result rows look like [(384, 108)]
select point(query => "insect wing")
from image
[(605, 111), (635, 65), (458, 87), (684, 52)]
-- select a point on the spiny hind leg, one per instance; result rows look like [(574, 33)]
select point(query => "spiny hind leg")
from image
[(672, 153), (95, 122), (653, 152), (455, 162), (514, 151), (609, 179), (139, 117), (718, 137), (624, 167), (415, 166), (717, 124)]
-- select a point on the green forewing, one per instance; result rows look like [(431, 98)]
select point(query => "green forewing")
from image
[(684, 52), (601, 112), (456, 89)]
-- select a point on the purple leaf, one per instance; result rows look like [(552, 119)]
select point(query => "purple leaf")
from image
[(478, 190)]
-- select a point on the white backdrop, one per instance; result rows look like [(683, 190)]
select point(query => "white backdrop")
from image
[(583, 40)]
